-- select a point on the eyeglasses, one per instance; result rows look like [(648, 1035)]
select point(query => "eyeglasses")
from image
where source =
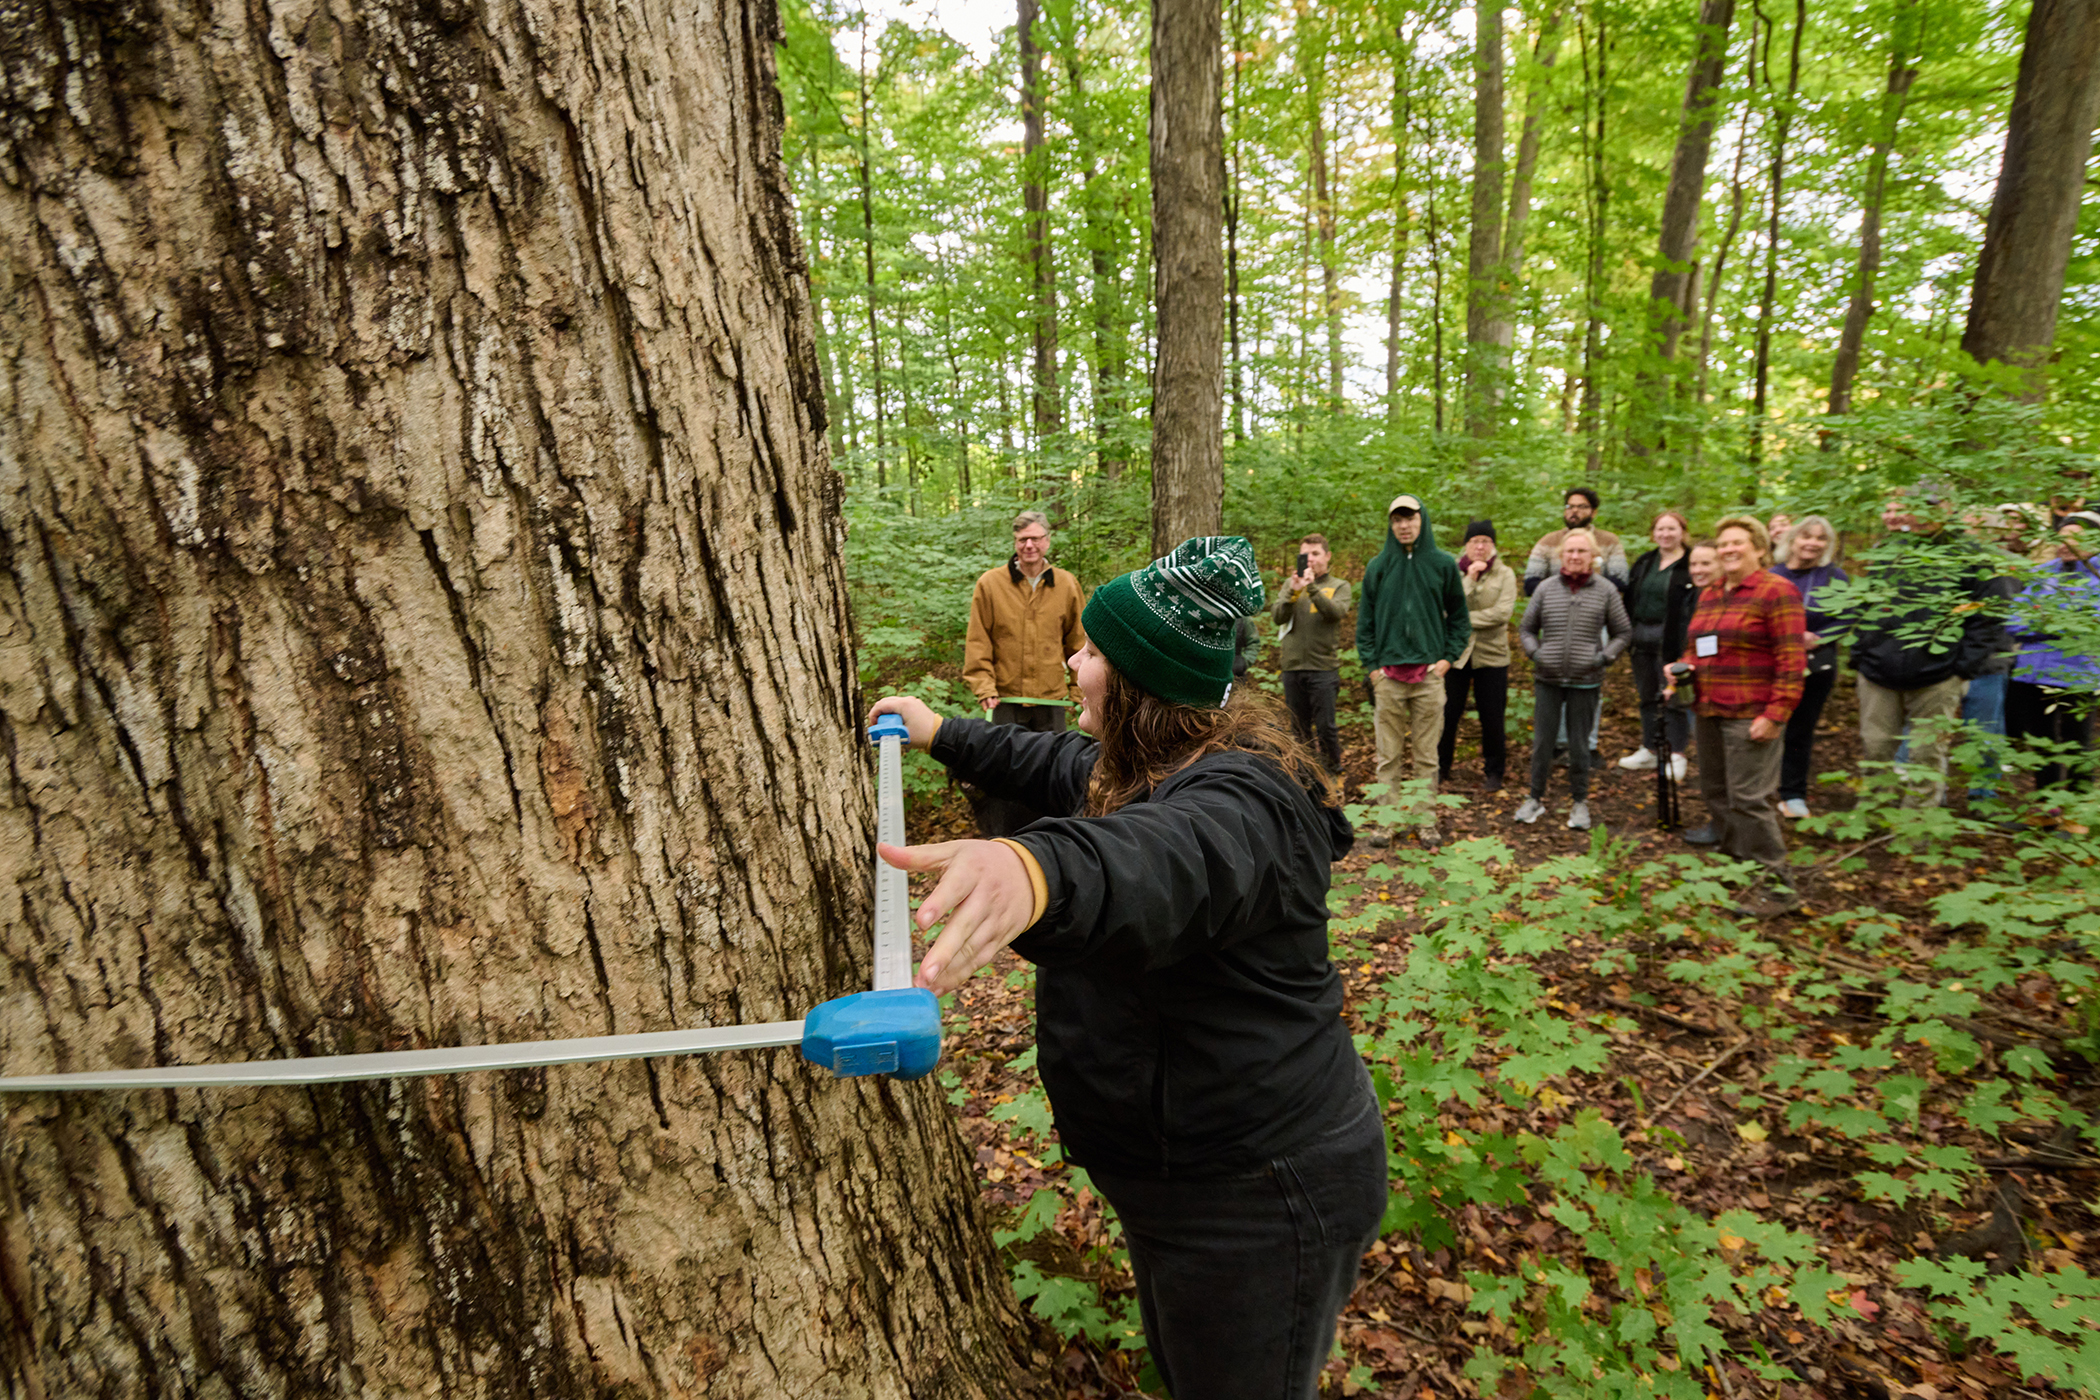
[(1031, 539)]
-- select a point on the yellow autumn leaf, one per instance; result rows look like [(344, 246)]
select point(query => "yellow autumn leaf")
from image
[(1752, 1131)]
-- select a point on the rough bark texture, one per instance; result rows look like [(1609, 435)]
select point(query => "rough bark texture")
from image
[(2034, 214), (1188, 270), (421, 622), (1489, 333)]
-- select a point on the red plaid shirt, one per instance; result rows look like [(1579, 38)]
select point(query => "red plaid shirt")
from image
[(1758, 669)]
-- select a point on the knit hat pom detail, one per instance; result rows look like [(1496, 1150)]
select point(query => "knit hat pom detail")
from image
[(1168, 626)]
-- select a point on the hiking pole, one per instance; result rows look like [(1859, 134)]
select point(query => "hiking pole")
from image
[(1666, 815), (894, 1029)]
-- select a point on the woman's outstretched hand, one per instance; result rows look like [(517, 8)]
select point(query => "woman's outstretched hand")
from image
[(919, 719), (984, 894)]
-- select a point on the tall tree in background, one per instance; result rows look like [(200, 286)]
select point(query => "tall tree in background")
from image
[(2034, 214), (1544, 53), (1768, 300), (1188, 287), (1904, 57), (390, 458), (1668, 288), (1098, 195), (1048, 411), (1488, 330)]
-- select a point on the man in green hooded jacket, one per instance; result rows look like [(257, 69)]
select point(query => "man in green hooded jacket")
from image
[(1411, 627)]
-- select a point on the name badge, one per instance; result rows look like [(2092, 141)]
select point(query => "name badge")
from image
[(1707, 645)]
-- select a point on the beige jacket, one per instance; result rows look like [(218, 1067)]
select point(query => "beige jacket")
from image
[(1021, 633), (1491, 597)]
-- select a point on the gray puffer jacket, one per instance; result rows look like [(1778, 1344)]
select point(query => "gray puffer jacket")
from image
[(1561, 627)]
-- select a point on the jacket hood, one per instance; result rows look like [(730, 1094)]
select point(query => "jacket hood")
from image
[(1427, 539)]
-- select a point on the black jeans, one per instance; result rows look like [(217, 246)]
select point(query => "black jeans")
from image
[(2028, 715), (1241, 1280), (1310, 697), (1491, 685), (1549, 702), (999, 816), (1659, 722), (1800, 741)]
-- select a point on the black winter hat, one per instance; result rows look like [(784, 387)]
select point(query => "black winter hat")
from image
[(1480, 527)]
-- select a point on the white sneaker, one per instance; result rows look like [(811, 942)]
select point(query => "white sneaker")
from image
[(1793, 807), (1531, 811), (1579, 817), (1679, 766), (1640, 760)]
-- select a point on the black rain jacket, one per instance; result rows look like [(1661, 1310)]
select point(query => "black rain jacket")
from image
[(1188, 1018)]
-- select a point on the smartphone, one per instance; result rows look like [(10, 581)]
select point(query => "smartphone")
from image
[(1304, 561)]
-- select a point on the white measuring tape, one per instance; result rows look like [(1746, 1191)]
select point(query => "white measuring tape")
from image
[(894, 1029)]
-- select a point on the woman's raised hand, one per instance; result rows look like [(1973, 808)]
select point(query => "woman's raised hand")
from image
[(984, 893), (919, 719)]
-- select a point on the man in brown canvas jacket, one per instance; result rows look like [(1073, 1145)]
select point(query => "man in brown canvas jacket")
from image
[(1024, 622)]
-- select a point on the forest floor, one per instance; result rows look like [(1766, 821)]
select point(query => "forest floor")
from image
[(1676, 1054)]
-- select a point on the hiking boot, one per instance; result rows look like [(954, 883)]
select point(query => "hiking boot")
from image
[(1640, 760), (1492, 783), (1579, 817), (1704, 835), (1531, 811)]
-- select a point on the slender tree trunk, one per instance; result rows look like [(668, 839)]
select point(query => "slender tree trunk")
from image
[(1768, 300), (1436, 298), (1544, 54), (1232, 230), (1035, 200), (1599, 210), (1330, 274), (867, 246), (1903, 71), (1402, 120), (1488, 331), (1679, 234), (402, 417), (2041, 182), (1737, 196), (1188, 159), (1111, 354)]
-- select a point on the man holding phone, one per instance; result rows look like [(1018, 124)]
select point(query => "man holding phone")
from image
[(1310, 608)]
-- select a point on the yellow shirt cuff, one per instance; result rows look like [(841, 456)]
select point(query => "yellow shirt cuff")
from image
[(1036, 881)]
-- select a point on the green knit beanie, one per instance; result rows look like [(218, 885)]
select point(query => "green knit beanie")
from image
[(1168, 626)]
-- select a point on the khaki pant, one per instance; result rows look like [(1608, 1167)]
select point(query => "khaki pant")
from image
[(1410, 720), (1738, 776), (1882, 715)]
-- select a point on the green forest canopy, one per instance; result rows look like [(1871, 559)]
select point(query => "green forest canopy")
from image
[(905, 149)]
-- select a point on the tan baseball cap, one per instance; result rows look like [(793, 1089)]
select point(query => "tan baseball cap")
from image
[(1404, 503)]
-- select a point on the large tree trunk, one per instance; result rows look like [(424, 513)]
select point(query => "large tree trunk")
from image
[(1903, 71), (1188, 288), (422, 623), (1488, 329), (1035, 202), (2034, 214)]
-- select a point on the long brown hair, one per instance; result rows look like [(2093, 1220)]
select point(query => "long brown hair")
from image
[(1146, 740)]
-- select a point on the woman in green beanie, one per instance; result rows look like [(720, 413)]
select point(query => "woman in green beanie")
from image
[(1188, 1018)]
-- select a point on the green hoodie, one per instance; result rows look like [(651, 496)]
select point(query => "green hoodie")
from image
[(1412, 611)]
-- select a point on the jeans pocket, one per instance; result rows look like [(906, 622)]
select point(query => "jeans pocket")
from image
[(1338, 1194)]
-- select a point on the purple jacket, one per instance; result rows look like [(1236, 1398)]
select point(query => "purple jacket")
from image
[(2043, 660)]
